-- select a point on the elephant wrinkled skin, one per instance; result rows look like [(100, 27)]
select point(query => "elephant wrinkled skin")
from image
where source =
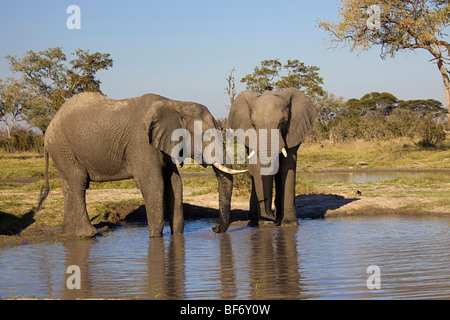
[(93, 138), (293, 114)]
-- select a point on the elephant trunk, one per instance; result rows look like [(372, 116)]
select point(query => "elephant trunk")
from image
[(263, 185), (273, 147), (225, 182), (268, 165)]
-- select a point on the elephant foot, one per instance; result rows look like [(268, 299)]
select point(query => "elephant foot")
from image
[(87, 231), (288, 223), (218, 229), (155, 235), (261, 223), (253, 223), (267, 216), (266, 223)]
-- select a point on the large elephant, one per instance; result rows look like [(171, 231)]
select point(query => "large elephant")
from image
[(93, 138), (292, 113)]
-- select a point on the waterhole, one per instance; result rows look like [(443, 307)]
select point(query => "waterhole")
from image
[(319, 259)]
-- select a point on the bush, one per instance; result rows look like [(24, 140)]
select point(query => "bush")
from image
[(22, 140), (375, 125), (430, 131)]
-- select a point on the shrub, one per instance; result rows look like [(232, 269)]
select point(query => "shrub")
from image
[(22, 140), (430, 131)]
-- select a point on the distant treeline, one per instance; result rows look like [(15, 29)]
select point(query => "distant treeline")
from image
[(381, 116)]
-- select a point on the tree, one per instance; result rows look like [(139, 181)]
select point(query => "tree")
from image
[(302, 77), (14, 102), (399, 25), (268, 76), (51, 81), (329, 107), (424, 107), (376, 102), (262, 77)]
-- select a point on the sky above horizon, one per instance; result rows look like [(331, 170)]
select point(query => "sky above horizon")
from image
[(184, 50)]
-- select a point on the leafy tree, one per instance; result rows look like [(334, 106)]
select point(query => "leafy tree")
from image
[(14, 102), (268, 76), (51, 81), (263, 76), (400, 25), (329, 107), (372, 102), (424, 107), (430, 131), (302, 77)]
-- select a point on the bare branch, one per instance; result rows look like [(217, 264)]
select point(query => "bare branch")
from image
[(231, 85)]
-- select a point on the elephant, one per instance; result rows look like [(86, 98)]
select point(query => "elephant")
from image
[(293, 114), (94, 138)]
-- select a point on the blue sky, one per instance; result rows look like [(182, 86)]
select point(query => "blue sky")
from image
[(185, 49)]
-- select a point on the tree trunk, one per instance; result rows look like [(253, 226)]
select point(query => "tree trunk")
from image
[(8, 128), (446, 79), (8, 131)]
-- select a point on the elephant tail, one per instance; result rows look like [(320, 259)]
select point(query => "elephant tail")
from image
[(46, 187)]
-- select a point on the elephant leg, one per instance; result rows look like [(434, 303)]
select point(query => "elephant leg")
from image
[(287, 177), (76, 220), (279, 195), (152, 190), (254, 206), (266, 204), (68, 205), (261, 207), (173, 199)]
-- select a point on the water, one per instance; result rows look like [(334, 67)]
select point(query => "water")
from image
[(319, 259)]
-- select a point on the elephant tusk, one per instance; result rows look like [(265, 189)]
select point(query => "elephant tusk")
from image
[(251, 154), (222, 168), (283, 151)]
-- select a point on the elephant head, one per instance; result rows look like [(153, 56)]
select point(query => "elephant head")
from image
[(288, 113), (171, 120)]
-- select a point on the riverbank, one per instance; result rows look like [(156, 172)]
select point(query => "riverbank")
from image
[(114, 203)]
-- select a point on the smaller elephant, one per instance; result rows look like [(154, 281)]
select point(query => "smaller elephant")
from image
[(93, 138), (289, 113)]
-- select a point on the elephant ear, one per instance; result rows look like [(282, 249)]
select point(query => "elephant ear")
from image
[(302, 117), (239, 117), (162, 120)]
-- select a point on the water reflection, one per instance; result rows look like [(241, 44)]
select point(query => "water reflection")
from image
[(274, 264), (77, 253), (318, 259), (166, 268)]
